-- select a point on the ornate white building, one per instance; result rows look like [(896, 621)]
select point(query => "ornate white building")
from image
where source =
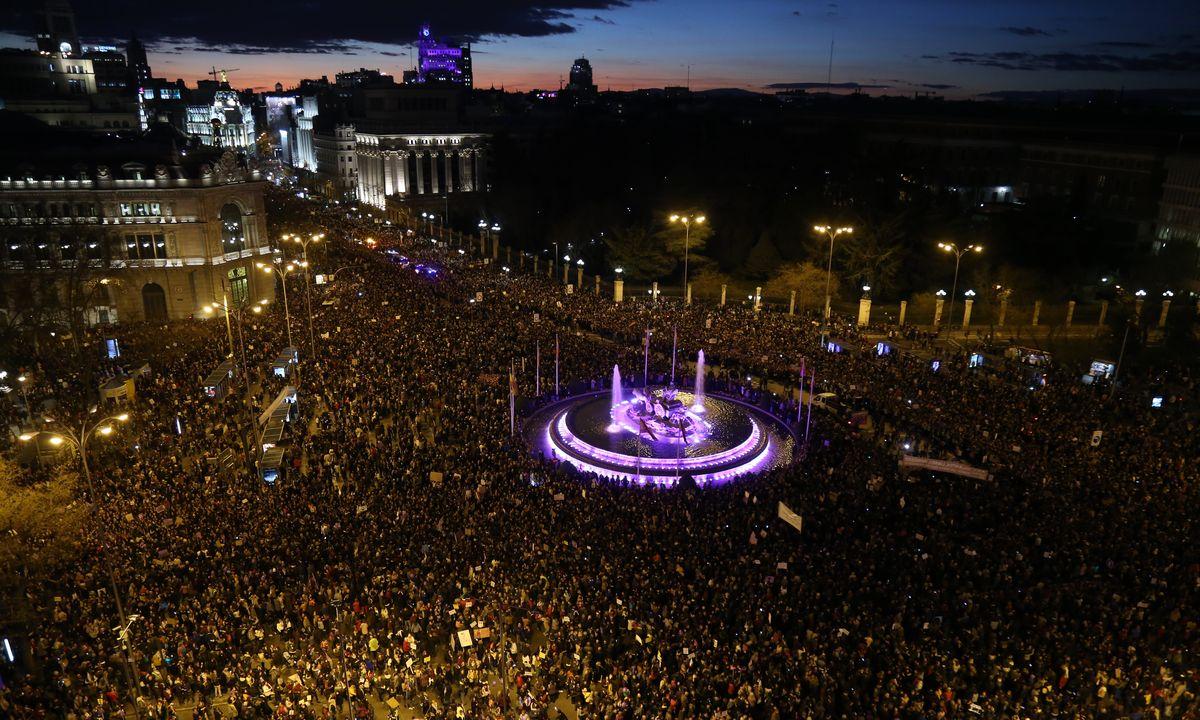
[(223, 122), (411, 164)]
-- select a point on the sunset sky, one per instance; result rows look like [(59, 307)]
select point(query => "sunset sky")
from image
[(956, 47)]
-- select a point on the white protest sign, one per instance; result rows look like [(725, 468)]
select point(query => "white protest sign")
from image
[(791, 518)]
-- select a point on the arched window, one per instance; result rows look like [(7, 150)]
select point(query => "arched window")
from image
[(233, 238), (154, 302)]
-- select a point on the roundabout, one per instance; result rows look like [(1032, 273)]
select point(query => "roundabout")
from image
[(661, 436)]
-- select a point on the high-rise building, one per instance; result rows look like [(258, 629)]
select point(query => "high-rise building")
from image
[(439, 62), (581, 77), (135, 55)]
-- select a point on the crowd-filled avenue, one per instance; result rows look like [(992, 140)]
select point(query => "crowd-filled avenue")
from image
[(415, 557)]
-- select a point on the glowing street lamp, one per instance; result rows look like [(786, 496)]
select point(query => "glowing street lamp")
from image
[(314, 238), (282, 270), (687, 221), (832, 233), (958, 255)]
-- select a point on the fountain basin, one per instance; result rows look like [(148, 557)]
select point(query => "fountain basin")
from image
[(623, 441)]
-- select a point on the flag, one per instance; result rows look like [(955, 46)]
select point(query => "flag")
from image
[(646, 429), (512, 398), (791, 518)]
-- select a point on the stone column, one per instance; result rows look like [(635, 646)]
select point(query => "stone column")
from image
[(597, 292), (508, 256), (1070, 312), (579, 277), (937, 311), (792, 304), (535, 264), (723, 288), (1037, 311), (757, 299), (1137, 308), (449, 185), (1103, 313), (654, 291), (864, 311), (618, 290), (464, 162), (388, 175), (419, 160), (903, 311), (967, 312), (1003, 310), (495, 246), (402, 175), (688, 299), (1162, 318), (566, 273)]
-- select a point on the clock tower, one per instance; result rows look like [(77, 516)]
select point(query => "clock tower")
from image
[(54, 28)]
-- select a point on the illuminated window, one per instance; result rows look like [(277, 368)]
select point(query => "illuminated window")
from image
[(239, 285), (233, 237)]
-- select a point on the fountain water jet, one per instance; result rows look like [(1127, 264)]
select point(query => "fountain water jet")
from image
[(616, 399), (698, 396)]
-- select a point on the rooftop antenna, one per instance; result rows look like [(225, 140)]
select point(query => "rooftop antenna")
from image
[(689, 78), (829, 76)]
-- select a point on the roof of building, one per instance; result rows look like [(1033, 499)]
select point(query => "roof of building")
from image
[(40, 151)]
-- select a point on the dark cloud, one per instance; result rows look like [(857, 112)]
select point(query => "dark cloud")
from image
[(1076, 62), (604, 21), (1026, 31), (1124, 44), (898, 82), (822, 86), (317, 26)]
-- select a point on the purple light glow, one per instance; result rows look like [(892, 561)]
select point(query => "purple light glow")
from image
[(656, 463), (764, 446), (753, 464)]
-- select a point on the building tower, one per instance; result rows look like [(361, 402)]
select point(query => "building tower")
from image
[(581, 77), (135, 54), (54, 28)]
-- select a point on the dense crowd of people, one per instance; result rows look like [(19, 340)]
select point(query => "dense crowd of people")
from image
[(409, 521)]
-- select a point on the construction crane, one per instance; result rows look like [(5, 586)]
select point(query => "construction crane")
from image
[(224, 72)]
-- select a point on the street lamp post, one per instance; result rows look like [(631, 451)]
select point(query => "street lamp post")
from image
[(831, 232), (79, 440), (24, 382), (958, 255), (282, 271), (240, 314), (304, 242), (687, 221)]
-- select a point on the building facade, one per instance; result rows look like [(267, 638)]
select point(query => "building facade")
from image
[(1179, 208), (337, 163), (154, 241), (221, 119), (442, 63), (418, 164)]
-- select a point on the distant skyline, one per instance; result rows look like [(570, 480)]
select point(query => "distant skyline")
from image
[(959, 49)]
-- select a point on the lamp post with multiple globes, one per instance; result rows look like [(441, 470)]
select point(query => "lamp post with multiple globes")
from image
[(687, 221)]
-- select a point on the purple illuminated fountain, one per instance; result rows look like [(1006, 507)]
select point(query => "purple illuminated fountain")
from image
[(616, 398), (698, 395), (658, 436)]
